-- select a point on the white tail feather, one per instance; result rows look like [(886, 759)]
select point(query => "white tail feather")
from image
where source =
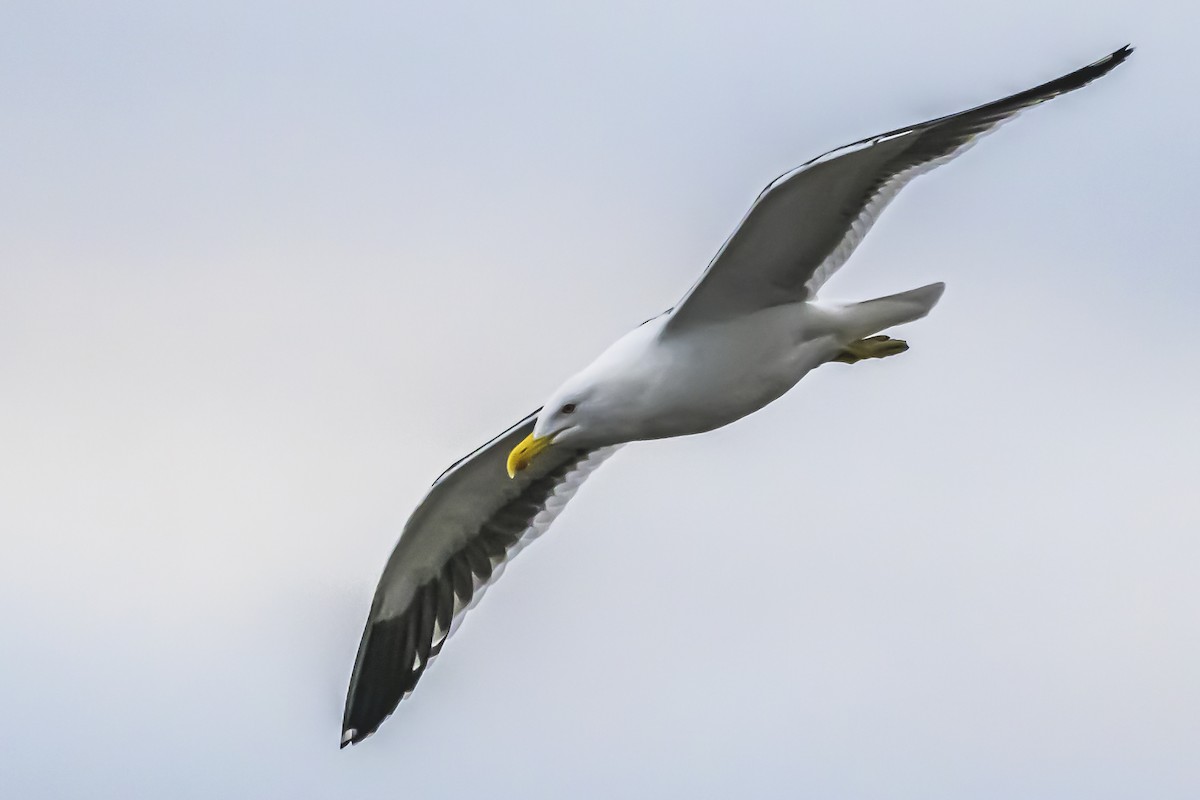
[(872, 316)]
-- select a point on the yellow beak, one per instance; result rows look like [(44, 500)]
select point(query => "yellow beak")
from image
[(523, 454)]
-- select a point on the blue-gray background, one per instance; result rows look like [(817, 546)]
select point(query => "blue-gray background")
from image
[(267, 268)]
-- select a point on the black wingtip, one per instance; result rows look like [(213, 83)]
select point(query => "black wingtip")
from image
[(1118, 55), (1112, 60), (1061, 85), (1096, 69)]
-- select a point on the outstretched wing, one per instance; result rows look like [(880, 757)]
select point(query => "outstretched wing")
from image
[(807, 222), (455, 544)]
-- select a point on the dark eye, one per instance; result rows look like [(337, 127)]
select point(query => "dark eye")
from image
[(568, 408)]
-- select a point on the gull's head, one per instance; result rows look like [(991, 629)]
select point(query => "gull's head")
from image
[(570, 417), (606, 403)]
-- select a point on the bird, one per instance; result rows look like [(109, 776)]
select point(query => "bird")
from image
[(744, 334)]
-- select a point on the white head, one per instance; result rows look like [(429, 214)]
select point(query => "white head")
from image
[(597, 406)]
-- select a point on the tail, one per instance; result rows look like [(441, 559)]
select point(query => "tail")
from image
[(872, 316)]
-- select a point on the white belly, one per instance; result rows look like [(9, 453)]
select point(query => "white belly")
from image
[(716, 375)]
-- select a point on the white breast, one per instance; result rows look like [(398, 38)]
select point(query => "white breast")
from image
[(709, 376)]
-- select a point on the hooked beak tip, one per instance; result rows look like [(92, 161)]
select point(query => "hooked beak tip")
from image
[(523, 454)]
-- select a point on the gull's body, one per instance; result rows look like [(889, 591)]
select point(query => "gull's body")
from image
[(747, 332), (668, 385)]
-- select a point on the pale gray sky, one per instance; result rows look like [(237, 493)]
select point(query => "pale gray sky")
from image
[(267, 268)]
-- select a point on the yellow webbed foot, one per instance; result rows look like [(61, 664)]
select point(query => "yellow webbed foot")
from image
[(872, 347)]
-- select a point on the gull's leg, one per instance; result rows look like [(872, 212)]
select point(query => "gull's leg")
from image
[(871, 347)]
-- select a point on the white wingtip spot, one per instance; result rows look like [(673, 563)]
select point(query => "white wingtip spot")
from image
[(348, 736)]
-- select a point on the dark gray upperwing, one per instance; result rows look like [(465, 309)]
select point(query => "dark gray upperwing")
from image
[(807, 222), (456, 543)]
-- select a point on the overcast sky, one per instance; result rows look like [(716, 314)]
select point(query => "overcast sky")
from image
[(267, 268)]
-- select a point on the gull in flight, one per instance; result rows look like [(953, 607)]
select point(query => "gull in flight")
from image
[(749, 329)]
